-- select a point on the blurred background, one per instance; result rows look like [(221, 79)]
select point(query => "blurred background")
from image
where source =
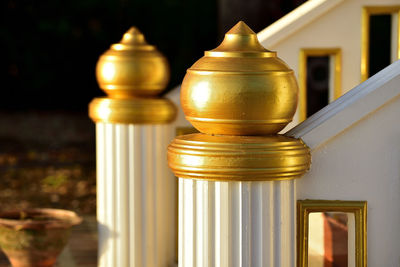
[(49, 52)]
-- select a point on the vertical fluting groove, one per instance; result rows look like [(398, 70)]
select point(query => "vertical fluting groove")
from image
[(151, 165), (194, 226), (122, 194), (237, 223), (210, 220), (200, 231), (100, 154), (188, 220), (293, 222), (160, 202), (131, 195), (181, 227), (148, 202), (222, 223), (110, 188), (139, 194), (256, 211), (143, 200), (269, 227), (286, 223), (247, 220), (235, 219), (135, 192), (277, 225)]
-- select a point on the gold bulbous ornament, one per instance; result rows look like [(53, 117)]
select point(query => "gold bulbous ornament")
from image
[(132, 68), (239, 95), (133, 74), (239, 88)]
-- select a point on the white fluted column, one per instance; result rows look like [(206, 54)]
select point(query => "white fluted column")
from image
[(136, 205), (136, 193), (236, 223)]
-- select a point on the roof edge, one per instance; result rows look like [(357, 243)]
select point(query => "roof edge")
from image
[(295, 20), (350, 108)]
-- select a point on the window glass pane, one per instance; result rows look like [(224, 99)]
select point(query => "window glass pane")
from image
[(331, 239), (318, 72), (379, 42)]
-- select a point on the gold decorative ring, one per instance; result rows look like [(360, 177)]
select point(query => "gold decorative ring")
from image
[(132, 110), (238, 158)]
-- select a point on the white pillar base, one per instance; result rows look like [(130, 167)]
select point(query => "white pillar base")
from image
[(236, 223), (136, 203)]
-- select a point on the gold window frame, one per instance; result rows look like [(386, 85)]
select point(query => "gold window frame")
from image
[(336, 53), (358, 208), (367, 11)]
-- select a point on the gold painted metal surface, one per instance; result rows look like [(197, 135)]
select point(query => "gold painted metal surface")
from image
[(336, 54), (241, 158), (239, 96), (132, 73), (239, 88), (365, 28), (305, 207), (135, 110), (185, 130), (132, 68)]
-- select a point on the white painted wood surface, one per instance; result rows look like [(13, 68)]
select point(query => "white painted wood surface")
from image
[(236, 223), (322, 24), (136, 203), (352, 107), (355, 144)]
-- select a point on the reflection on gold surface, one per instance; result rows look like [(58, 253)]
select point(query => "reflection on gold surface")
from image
[(238, 158), (132, 73), (331, 212), (366, 13), (239, 88), (136, 110), (185, 130), (132, 68), (336, 55), (108, 71), (239, 96)]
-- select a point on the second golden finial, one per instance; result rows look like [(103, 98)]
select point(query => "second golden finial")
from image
[(132, 68)]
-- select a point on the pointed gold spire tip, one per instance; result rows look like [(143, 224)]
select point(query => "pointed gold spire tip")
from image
[(240, 38), (241, 28), (133, 36)]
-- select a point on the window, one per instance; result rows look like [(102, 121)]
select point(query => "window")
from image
[(380, 44), (331, 233), (320, 79)]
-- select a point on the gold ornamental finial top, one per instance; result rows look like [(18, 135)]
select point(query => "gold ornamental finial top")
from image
[(239, 88), (238, 96), (133, 39), (132, 68), (240, 38), (132, 73)]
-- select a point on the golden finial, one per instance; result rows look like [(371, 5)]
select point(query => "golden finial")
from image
[(239, 88), (239, 96), (132, 68), (132, 73)]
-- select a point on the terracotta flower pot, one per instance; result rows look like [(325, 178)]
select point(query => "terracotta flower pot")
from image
[(35, 237)]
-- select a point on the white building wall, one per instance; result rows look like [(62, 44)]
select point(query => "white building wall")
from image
[(359, 159), (337, 27)]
